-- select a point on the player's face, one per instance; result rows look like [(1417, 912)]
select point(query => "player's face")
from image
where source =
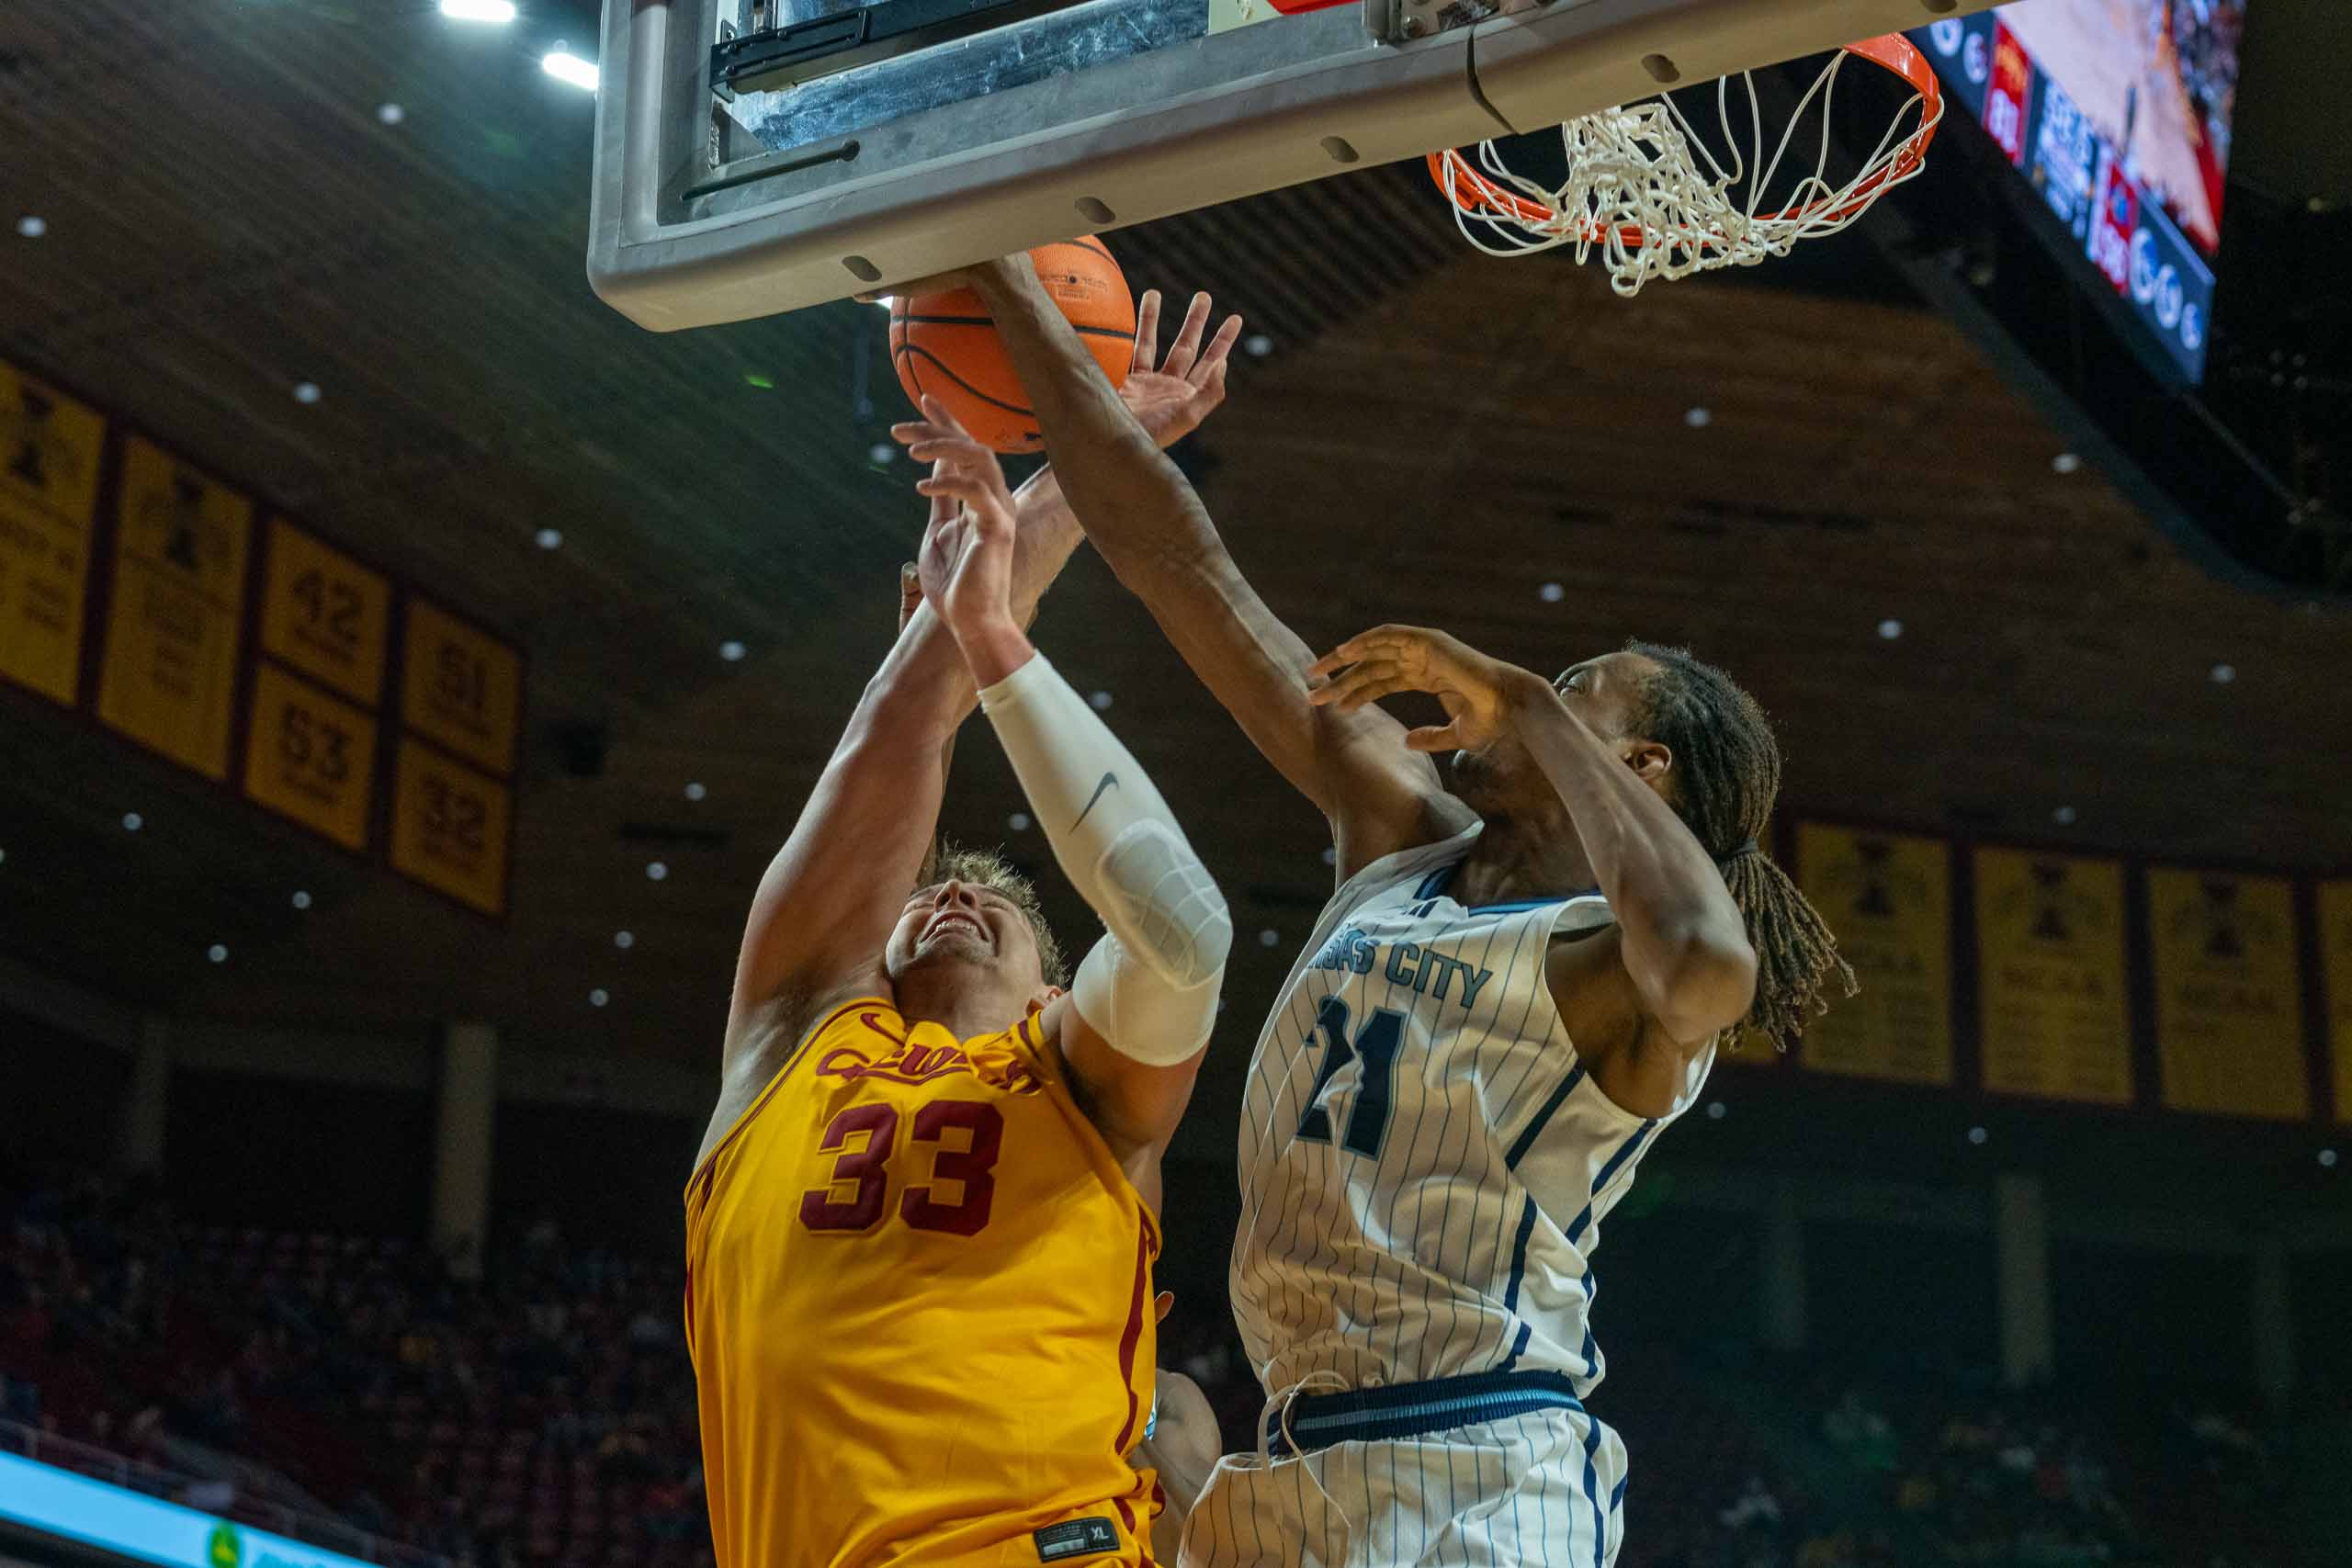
[(962, 923), (1604, 692)]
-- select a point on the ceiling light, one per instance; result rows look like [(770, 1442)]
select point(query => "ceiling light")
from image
[(132, 821), (1330, 855), (1698, 419), (599, 996), (566, 66), (882, 454), (218, 953), (479, 10), (1977, 1135), (1269, 937), (655, 871), (301, 900), (1257, 345), (2063, 816), (730, 650), (549, 538), (624, 940), (696, 791), (2224, 674), (32, 227), (2064, 463), (390, 114), (1099, 701), (2328, 1158), (1018, 821), (306, 392), (1717, 1111), (1551, 593), (1890, 628)]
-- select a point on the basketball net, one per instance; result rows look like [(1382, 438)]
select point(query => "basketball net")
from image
[(1651, 195)]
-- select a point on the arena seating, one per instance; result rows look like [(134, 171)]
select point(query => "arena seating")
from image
[(543, 1417)]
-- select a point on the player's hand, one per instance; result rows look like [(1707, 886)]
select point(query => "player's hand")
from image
[(1475, 691), (1171, 397), (964, 567)]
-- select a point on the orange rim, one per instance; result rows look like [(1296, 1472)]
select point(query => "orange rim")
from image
[(1476, 195)]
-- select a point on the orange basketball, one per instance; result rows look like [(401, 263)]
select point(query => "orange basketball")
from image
[(947, 346)]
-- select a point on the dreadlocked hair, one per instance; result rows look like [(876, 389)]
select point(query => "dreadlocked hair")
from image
[(1727, 774), (986, 868)]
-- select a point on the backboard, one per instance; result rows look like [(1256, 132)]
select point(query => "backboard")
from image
[(754, 156)]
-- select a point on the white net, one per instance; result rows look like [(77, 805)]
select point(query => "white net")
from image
[(1658, 200)]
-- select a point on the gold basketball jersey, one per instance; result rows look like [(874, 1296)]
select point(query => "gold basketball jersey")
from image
[(919, 1305)]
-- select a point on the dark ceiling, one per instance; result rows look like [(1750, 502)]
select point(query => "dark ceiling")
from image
[(1432, 436)]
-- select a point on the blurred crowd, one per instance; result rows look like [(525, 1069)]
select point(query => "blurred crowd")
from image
[(543, 1416)]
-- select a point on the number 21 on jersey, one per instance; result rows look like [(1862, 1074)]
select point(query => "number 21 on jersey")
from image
[(1367, 1125)]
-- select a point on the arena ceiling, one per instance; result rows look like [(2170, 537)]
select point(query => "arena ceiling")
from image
[(1429, 436)]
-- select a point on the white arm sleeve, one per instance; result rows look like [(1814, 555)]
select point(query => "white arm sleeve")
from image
[(1150, 986)]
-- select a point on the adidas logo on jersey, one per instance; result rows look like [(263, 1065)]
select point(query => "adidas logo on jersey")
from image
[(1408, 963)]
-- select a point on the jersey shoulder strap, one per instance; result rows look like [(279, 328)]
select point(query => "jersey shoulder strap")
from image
[(1408, 869)]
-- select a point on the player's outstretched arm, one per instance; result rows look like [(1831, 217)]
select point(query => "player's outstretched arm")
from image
[(1148, 524), (1139, 1012), (1678, 935), (824, 910)]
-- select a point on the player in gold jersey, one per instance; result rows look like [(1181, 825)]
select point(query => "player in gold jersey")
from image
[(920, 1234)]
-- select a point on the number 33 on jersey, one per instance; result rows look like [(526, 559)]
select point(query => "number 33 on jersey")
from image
[(909, 1237)]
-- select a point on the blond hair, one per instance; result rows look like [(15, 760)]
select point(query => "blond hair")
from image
[(986, 868)]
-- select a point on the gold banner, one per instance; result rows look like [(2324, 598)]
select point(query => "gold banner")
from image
[(461, 687), (311, 756), (450, 827), (1888, 898), (2229, 1008), (2049, 947), (2336, 972), (50, 450), (323, 614), (169, 675)]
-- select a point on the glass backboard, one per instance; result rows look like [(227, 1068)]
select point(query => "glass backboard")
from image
[(754, 156)]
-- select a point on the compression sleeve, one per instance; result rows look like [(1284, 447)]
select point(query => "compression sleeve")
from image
[(1150, 986)]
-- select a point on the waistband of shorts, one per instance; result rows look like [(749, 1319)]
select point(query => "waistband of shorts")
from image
[(1315, 1421)]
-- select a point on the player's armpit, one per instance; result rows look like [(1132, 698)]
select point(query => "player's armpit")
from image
[(1135, 1105), (1634, 1059)]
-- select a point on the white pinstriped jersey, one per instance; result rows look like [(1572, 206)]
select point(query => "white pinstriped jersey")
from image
[(1425, 1162)]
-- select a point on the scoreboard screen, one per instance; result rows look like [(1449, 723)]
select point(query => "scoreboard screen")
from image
[(2119, 113)]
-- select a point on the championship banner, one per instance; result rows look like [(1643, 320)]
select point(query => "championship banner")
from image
[(169, 672), (323, 614), (2051, 973), (450, 827), (1888, 898), (2229, 1005), (311, 756), (2335, 973), (50, 450), (461, 687)]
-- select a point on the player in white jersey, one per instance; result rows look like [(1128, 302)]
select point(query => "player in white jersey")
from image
[(1520, 981)]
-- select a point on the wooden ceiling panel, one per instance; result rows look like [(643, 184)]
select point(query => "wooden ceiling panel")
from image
[(1432, 436)]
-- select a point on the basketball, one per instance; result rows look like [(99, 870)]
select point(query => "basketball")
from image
[(945, 344)]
